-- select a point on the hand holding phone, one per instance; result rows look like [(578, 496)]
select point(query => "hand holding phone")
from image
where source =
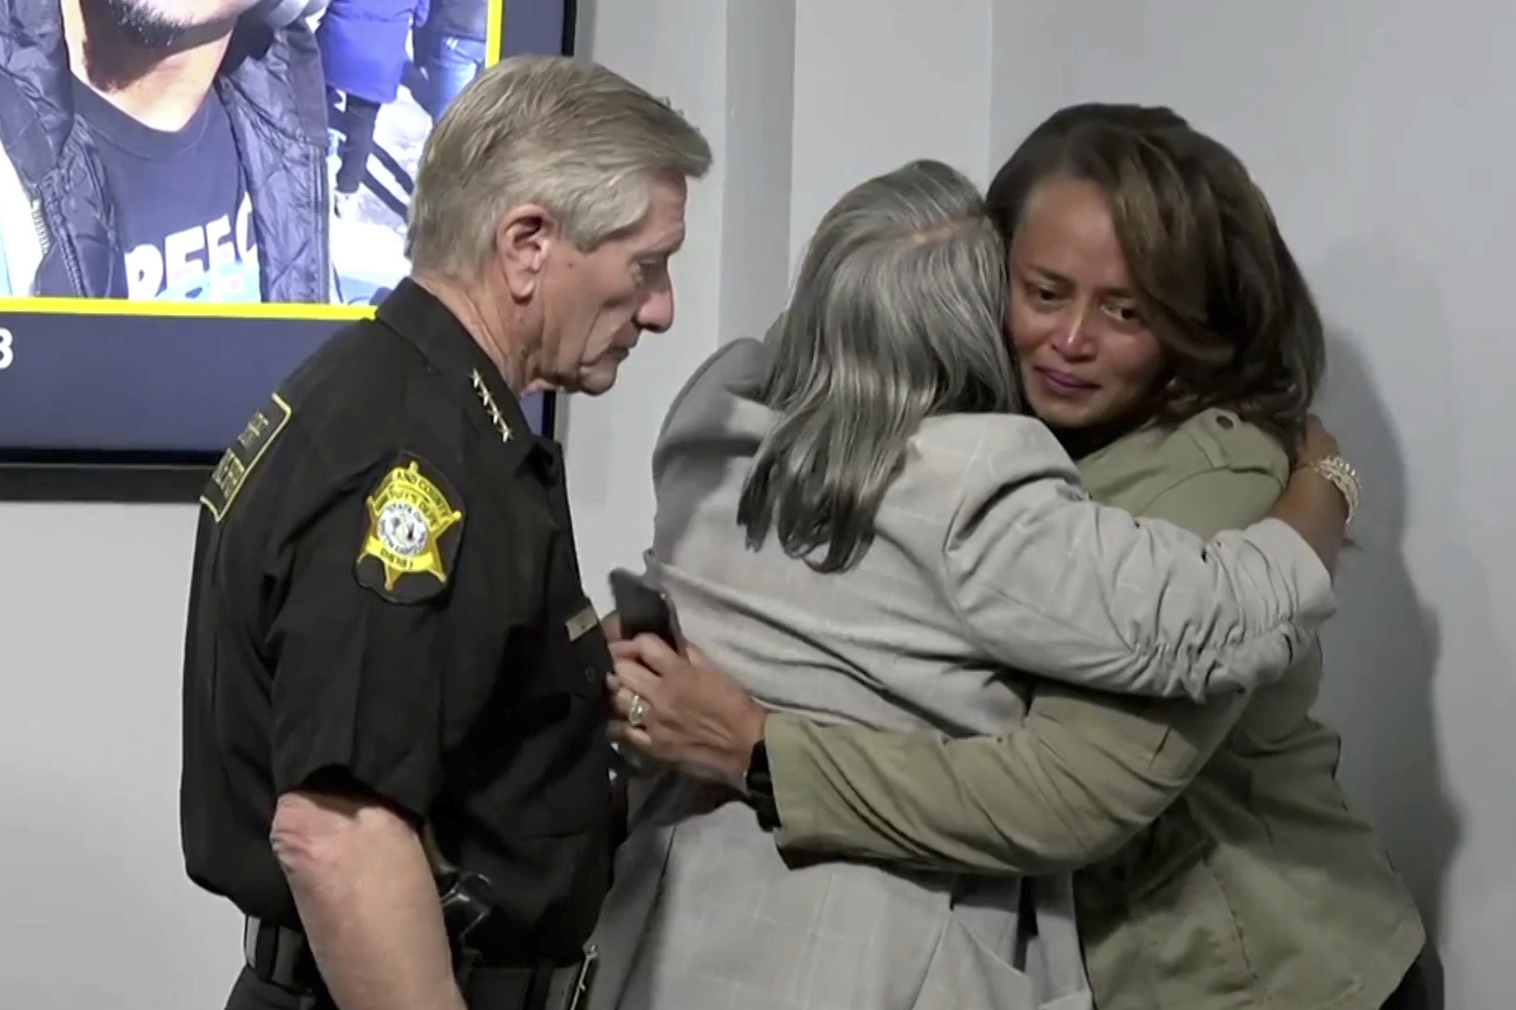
[(643, 610)]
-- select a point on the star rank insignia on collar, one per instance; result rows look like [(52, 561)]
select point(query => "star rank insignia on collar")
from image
[(489, 406)]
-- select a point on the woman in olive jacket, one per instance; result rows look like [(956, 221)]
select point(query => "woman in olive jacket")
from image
[(1164, 332)]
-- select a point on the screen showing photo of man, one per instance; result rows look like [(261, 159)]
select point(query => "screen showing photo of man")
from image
[(195, 194), (233, 151)]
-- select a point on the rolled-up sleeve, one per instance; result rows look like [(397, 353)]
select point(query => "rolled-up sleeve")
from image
[(1075, 783), (1055, 584)]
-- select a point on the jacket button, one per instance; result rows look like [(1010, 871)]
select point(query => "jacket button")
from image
[(590, 676)]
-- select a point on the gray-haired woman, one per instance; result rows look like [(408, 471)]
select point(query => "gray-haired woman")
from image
[(854, 519)]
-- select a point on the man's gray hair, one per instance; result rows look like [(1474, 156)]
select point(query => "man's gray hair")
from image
[(898, 314), (572, 137)]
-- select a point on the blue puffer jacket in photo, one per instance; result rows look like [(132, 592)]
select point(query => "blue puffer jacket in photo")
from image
[(57, 214), (363, 45)]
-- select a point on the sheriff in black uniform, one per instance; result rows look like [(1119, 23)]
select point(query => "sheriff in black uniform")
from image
[(386, 600), (395, 752)]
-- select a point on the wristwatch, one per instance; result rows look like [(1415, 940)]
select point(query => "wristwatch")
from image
[(760, 787)]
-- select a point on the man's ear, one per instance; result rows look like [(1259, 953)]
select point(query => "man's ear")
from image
[(522, 241)]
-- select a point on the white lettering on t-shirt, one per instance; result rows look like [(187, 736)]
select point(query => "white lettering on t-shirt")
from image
[(212, 262), (245, 244)]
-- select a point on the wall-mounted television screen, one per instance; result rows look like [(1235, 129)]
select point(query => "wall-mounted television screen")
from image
[(194, 194)]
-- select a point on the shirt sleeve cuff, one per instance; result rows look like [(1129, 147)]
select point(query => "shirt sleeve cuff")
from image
[(787, 739), (1278, 539)]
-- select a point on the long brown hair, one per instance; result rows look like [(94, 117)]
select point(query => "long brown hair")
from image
[(1212, 274)]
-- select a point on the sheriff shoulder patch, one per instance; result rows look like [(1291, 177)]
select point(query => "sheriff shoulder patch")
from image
[(238, 462), (415, 527)]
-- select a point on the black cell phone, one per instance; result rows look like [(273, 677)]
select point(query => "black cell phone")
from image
[(643, 610)]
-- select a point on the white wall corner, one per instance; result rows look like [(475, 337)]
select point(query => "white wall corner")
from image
[(728, 67), (880, 84), (755, 208)]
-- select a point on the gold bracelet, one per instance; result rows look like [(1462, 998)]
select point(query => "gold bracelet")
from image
[(1340, 473)]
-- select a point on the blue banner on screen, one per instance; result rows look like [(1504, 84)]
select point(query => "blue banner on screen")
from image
[(163, 270)]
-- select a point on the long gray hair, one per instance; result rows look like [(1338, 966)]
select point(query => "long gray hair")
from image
[(898, 314)]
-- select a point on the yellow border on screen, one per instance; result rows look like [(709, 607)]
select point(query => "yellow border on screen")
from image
[(289, 311)]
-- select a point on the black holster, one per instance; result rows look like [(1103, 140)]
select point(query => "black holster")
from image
[(467, 899)]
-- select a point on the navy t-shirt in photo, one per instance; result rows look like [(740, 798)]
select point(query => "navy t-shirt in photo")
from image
[(182, 206)]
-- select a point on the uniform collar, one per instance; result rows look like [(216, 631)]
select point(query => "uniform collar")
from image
[(419, 317)]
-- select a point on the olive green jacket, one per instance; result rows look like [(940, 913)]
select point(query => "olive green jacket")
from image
[(1220, 866)]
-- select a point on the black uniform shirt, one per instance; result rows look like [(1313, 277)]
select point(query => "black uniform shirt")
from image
[(386, 597)]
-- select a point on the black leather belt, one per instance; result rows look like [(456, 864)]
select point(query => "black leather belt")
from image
[(282, 956), (279, 955), (548, 987)]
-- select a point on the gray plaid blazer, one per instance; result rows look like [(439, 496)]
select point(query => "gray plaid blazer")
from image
[(988, 559)]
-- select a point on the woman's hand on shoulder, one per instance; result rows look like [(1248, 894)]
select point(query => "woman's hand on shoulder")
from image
[(1316, 443), (1318, 500)]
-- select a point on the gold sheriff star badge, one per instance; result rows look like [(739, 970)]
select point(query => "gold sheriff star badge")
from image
[(408, 514)]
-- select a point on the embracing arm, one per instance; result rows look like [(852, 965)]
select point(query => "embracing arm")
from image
[(1048, 582), (1083, 774)]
